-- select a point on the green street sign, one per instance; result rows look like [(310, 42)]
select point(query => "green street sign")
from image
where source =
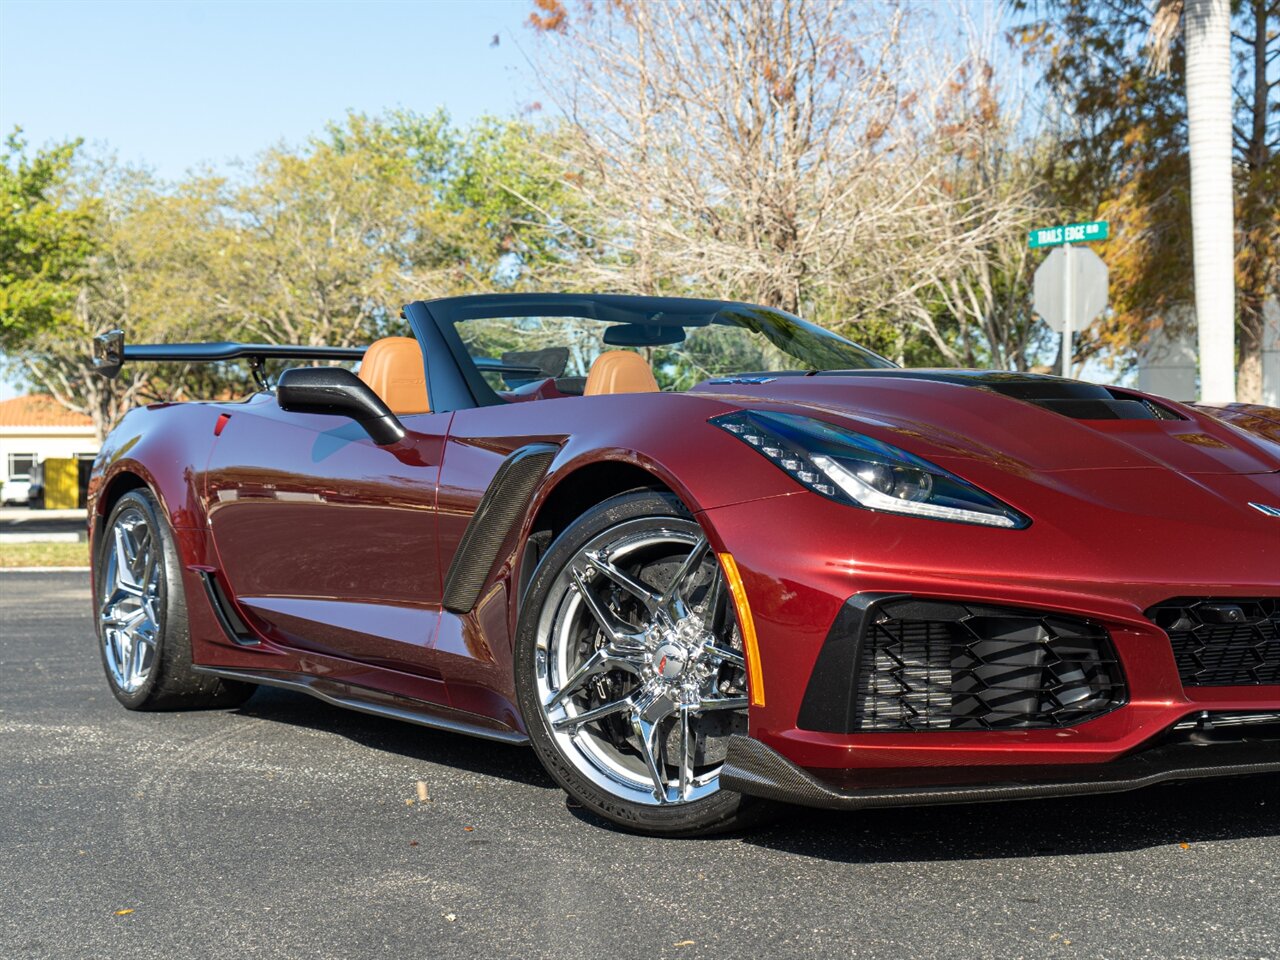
[(1069, 233)]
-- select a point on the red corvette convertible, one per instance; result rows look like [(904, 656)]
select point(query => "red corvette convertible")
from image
[(704, 556)]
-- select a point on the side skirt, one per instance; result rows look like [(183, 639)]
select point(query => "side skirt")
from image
[(375, 702)]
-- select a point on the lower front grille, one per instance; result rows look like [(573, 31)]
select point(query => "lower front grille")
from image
[(1223, 641), (895, 663), (943, 666)]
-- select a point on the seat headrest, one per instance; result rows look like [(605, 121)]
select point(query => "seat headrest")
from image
[(392, 368), (620, 371)]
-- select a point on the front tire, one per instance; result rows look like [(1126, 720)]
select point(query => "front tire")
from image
[(630, 671), (142, 615)]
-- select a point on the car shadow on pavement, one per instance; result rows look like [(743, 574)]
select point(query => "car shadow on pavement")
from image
[(1228, 809), (517, 764), (1167, 815)]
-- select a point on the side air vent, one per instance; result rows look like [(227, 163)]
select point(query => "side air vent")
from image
[(1223, 641), (502, 505), (225, 611), (923, 665)]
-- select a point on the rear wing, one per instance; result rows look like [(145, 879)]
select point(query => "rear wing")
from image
[(110, 353)]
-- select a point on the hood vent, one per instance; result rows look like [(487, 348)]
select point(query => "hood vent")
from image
[(1070, 398), (1111, 408)]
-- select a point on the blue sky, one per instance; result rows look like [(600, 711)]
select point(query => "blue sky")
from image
[(177, 84)]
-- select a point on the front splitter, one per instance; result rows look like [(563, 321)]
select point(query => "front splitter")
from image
[(755, 769)]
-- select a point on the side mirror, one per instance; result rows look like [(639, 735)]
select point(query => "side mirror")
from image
[(337, 391)]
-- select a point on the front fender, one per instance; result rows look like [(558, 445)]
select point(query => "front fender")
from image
[(165, 447)]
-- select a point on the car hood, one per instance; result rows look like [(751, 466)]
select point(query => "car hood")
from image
[(1022, 424)]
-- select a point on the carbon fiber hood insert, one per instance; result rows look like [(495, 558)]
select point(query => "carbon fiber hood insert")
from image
[(1070, 398)]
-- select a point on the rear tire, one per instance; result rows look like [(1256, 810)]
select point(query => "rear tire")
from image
[(626, 622), (143, 636)]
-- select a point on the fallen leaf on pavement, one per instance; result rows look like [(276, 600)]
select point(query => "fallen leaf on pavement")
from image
[(124, 912)]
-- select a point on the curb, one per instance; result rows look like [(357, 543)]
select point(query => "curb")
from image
[(7, 538), (44, 570)]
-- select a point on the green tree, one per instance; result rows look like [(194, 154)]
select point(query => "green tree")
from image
[(324, 244), (45, 239), (146, 276)]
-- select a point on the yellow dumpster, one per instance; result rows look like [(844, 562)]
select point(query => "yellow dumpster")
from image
[(61, 483)]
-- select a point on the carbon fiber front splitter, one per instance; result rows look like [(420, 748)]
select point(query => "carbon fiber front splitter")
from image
[(755, 769)]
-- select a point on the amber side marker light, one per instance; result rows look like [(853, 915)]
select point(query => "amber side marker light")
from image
[(755, 678)]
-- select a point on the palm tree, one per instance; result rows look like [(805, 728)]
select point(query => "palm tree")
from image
[(1207, 26)]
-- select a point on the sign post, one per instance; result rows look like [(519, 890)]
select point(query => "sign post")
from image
[(1067, 290), (1071, 285)]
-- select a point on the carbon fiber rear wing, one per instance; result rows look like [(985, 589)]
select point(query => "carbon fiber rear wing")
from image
[(110, 353)]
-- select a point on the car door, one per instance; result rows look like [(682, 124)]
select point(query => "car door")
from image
[(327, 541)]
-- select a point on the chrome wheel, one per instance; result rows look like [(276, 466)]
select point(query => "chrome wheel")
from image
[(128, 614), (640, 671)]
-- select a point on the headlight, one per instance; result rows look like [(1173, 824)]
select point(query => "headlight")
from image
[(851, 468)]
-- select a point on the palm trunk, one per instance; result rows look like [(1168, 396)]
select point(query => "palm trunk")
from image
[(1208, 35)]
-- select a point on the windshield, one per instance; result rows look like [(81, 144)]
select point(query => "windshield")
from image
[(511, 341)]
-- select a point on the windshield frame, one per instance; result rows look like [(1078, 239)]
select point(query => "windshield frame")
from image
[(448, 312)]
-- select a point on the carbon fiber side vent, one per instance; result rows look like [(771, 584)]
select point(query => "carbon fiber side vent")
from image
[(503, 503)]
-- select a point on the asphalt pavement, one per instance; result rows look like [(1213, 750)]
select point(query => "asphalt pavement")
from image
[(284, 828)]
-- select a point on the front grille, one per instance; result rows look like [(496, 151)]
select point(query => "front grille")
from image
[(927, 665), (1223, 641)]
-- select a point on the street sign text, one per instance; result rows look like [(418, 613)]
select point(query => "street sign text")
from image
[(1069, 233)]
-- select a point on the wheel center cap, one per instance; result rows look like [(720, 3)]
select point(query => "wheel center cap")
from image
[(669, 660)]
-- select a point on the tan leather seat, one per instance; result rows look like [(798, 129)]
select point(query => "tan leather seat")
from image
[(620, 371), (392, 368)]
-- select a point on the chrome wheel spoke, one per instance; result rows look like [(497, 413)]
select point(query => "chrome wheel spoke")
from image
[(646, 722), (126, 555), (113, 650), (111, 618), (123, 590), (673, 597), (625, 581), (685, 759), (725, 655), (124, 642), (711, 602), (135, 660), (602, 661), (594, 714), (616, 630), (141, 559)]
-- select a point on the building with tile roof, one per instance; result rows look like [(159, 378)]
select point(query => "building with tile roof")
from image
[(35, 428)]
